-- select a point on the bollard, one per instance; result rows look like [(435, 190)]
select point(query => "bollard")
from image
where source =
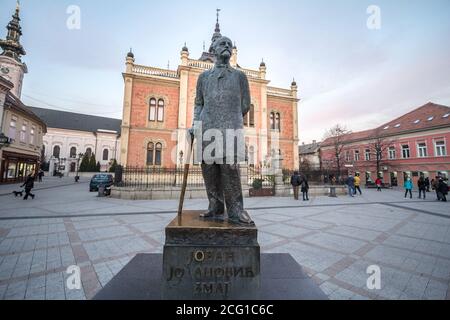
[(101, 191), (333, 192)]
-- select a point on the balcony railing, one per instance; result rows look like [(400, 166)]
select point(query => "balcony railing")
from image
[(279, 91), (151, 71)]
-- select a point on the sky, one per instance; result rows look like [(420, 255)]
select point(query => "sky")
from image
[(347, 73)]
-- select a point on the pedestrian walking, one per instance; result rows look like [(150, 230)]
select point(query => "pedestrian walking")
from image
[(305, 188), (408, 185), (427, 184), (358, 184), (434, 186), (378, 182), (351, 185), (295, 182), (422, 187), (442, 190), (40, 175), (28, 184)]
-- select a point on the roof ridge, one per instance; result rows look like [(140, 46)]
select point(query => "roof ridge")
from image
[(428, 104), (77, 113)]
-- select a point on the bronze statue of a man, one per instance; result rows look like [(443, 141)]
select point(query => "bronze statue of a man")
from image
[(222, 101)]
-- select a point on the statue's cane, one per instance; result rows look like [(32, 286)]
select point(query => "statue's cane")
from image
[(185, 177)]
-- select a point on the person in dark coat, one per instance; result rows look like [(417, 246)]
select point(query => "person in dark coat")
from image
[(295, 182), (350, 182), (427, 184), (28, 184), (40, 175), (442, 190), (305, 188), (422, 187)]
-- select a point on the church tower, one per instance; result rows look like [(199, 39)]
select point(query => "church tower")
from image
[(11, 66)]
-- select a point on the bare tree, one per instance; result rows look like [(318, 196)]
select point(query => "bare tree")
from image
[(336, 136), (305, 165), (378, 147)]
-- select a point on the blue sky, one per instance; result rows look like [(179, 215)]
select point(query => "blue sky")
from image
[(346, 73)]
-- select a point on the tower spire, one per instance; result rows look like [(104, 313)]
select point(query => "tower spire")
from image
[(217, 33), (11, 46), (217, 22)]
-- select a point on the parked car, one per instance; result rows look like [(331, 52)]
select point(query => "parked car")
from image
[(101, 179)]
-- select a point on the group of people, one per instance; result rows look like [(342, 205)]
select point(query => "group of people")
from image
[(354, 184), (300, 183), (439, 185)]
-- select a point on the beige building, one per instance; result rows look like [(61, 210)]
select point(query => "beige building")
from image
[(71, 134), (21, 130), (24, 130), (309, 155)]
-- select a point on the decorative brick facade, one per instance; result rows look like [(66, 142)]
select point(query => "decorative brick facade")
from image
[(176, 89)]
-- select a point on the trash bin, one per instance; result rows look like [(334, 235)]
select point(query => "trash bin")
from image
[(333, 192), (101, 190)]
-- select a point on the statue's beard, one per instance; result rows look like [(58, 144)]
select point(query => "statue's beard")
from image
[(225, 56)]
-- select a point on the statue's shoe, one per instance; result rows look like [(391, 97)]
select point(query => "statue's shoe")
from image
[(211, 214), (242, 218)]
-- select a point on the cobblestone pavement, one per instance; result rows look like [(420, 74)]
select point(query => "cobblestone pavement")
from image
[(334, 239)]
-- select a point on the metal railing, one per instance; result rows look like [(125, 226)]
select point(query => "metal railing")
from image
[(259, 178), (155, 177), (315, 177)]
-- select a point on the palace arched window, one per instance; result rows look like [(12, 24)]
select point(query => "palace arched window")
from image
[(249, 118), (277, 122), (272, 120), (160, 110), (152, 111), (150, 151), (88, 152), (105, 154), (56, 151), (73, 152), (158, 154), (251, 115)]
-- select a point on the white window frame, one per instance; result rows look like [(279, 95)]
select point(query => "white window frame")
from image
[(32, 134), (422, 151), (347, 156), (23, 132), (356, 155), (13, 128), (367, 154), (443, 145), (392, 153), (403, 149)]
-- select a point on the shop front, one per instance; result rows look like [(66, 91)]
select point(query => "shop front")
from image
[(15, 167)]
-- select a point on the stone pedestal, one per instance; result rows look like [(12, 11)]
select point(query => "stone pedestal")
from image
[(210, 260)]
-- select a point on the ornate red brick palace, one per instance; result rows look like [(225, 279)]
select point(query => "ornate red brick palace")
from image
[(158, 108)]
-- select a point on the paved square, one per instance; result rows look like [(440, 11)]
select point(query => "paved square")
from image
[(334, 239)]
